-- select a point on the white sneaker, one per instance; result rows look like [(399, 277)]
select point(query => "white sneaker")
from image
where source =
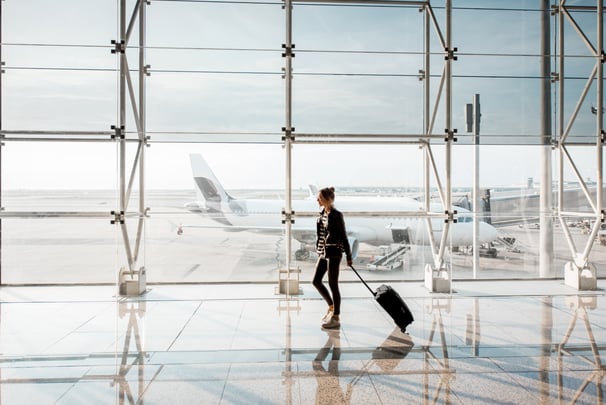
[(332, 323), (327, 316)]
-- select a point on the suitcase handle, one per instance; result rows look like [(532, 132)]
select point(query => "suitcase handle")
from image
[(361, 279)]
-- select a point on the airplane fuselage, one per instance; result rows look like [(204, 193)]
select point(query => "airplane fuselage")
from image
[(375, 230), (367, 219)]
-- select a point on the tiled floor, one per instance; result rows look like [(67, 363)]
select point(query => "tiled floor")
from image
[(516, 342)]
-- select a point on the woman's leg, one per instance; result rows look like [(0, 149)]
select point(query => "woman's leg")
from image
[(333, 283), (321, 267)]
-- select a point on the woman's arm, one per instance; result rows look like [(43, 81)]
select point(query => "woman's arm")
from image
[(341, 233)]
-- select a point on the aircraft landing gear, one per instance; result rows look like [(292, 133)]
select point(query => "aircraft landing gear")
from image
[(302, 254)]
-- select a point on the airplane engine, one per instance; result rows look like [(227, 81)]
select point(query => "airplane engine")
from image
[(353, 244)]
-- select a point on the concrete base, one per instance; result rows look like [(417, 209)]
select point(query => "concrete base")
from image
[(437, 280), (575, 302), (132, 283), (290, 287), (581, 279), (289, 282)]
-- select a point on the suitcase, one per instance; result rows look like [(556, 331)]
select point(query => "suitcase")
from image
[(391, 302)]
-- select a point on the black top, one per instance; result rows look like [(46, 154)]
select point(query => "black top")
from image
[(334, 234)]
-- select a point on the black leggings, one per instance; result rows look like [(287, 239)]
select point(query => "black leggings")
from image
[(332, 265)]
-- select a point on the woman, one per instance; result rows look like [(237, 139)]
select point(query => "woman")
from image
[(330, 244)]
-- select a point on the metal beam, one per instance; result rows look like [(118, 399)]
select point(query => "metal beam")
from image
[(1, 146), (546, 222), (581, 259), (288, 128), (367, 2), (137, 103)]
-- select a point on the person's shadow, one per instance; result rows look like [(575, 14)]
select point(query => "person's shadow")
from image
[(386, 356), (329, 389)]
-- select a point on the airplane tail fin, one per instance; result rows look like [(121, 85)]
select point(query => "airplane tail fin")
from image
[(207, 184), (313, 190)]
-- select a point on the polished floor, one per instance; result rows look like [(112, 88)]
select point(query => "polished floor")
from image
[(498, 342)]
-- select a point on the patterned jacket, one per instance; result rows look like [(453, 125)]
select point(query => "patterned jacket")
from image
[(336, 236)]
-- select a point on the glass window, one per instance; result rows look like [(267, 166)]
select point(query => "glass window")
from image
[(216, 86)]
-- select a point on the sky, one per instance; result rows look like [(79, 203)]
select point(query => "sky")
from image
[(216, 69)]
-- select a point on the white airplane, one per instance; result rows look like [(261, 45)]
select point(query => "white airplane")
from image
[(264, 215)]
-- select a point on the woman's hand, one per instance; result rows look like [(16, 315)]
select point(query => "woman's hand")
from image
[(349, 262)]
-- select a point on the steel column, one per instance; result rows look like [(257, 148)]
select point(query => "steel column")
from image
[(476, 183), (135, 276), (428, 122), (600, 134), (437, 276), (288, 141), (580, 273), (450, 129), (1, 140), (546, 223)]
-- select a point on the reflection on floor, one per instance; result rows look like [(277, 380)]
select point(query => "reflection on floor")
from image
[(500, 342)]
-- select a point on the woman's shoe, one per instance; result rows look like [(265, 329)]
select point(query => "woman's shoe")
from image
[(327, 316), (332, 323)]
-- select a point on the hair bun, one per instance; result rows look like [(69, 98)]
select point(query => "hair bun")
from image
[(328, 193)]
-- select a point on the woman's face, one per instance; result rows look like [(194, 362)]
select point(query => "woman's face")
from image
[(322, 202)]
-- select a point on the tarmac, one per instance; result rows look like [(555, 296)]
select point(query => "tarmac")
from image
[(74, 250)]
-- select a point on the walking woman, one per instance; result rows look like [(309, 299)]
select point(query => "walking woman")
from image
[(331, 243)]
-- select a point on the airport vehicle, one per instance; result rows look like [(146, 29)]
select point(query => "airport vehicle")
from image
[(264, 215)]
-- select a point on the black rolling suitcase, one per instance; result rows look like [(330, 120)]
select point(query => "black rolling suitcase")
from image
[(391, 302)]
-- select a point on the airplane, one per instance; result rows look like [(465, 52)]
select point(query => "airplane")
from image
[(265, 215)]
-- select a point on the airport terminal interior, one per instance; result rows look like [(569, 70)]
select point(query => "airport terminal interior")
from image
[(160, 171)]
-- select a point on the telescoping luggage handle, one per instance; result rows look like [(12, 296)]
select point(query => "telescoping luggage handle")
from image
[(360, 277)]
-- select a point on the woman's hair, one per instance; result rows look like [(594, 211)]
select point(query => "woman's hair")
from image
[(328, 193)]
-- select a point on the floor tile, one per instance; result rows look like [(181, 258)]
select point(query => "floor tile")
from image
[(243, 344)]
